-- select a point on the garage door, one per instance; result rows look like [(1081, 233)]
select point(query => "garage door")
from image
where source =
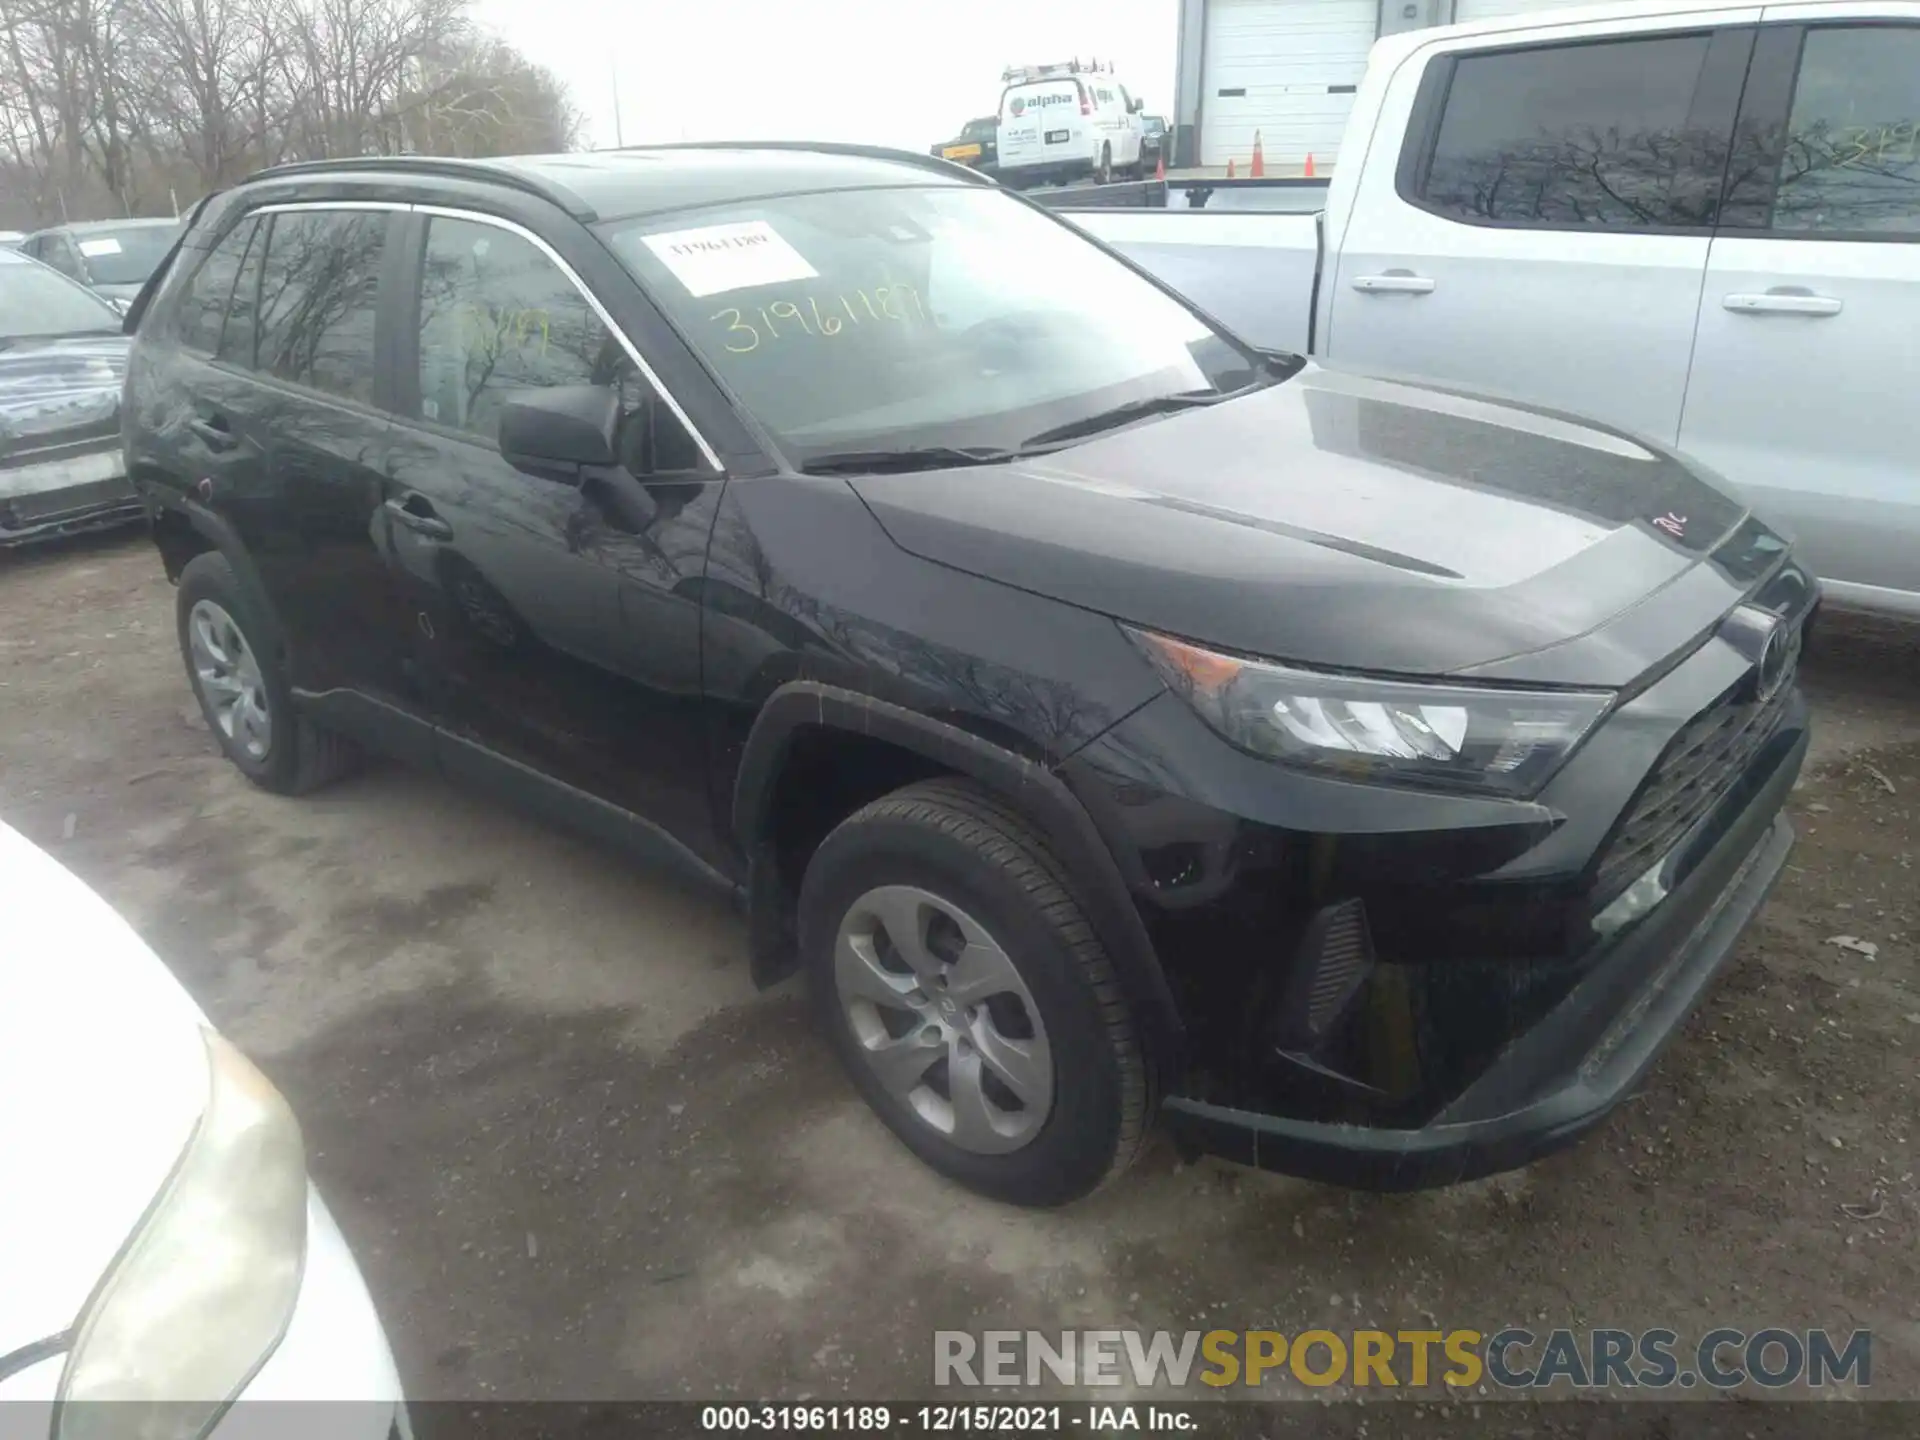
[(1465, 10), (1285, 68)]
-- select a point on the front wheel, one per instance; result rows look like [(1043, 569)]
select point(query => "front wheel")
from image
[(1103, 171), (969, 999)]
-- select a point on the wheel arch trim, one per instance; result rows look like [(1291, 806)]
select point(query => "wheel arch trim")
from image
[(224, 540), (1040, 795)]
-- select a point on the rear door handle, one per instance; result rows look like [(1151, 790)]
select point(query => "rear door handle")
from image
[(1394, 282), (1783, 302), (213, 432), (415, 512)]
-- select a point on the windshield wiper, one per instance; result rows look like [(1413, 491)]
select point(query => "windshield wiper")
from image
[(925, 457), (1132, 410)]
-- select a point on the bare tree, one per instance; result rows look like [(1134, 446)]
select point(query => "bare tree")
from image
[(116, 107)]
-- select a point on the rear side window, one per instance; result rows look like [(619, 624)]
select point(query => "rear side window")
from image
[(1852, 161), (319, 296), (203, 308), (1593, 136)]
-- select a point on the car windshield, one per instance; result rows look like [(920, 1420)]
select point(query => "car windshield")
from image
[(918, 317), (35, 301), (1155, 125), (979, 129), (124, 257)]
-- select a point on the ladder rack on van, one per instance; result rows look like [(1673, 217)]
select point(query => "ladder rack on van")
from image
[(1064, 70)]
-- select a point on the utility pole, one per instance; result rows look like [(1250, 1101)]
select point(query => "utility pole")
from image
[(619, 136)]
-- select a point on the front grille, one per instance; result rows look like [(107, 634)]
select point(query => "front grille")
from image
[(1711, 751)]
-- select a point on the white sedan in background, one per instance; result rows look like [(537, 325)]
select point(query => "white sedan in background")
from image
[(160, 1244)]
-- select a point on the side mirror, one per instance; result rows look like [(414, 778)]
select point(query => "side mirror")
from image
[(561, 429), (1138, 105)]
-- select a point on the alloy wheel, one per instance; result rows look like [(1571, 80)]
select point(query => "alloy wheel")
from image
[(227, 675), (942, 1017)]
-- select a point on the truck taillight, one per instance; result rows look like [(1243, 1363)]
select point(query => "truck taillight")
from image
[(1085, 108)]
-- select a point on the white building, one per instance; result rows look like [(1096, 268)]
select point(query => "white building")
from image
[(1288, 70)]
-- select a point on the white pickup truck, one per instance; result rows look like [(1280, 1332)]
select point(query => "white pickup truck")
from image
[(1697, 221)]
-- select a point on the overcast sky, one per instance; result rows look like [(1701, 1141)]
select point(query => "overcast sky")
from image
[(888, 72)]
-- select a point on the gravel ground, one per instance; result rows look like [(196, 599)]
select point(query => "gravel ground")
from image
[(580, 1157)]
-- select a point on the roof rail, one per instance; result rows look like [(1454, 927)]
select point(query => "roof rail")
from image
[(437, 165), (833, 147)]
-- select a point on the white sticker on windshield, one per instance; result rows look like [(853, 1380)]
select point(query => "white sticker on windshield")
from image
[(106, 245), (729, 257)]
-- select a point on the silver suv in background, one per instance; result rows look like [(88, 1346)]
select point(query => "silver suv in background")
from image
[(111, 257)]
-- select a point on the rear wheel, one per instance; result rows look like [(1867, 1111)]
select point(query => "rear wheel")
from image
[(1103, 172), (236, 676), (968, 997)]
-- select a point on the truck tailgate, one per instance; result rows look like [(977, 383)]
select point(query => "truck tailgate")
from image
[(1253, 272)]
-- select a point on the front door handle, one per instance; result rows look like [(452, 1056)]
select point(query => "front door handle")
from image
[(1783, 302), (415, 512), (1394, 282), (213, 432)]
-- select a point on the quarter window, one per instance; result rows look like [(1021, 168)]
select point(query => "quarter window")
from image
[(203, 309), (1852, 157), (319, 296), (1593, 136)]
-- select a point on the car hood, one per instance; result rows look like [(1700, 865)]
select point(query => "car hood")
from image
[(53, 392), (103, 1074), (1337, 519)]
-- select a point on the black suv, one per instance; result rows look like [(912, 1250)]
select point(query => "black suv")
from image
[(1113, 720)]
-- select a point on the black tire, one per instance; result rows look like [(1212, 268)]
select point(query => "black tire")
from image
[(300, 756), (952, 839), (1103, 172)]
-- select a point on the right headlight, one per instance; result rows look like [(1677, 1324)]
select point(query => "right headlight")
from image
[(1460, 737), (203, 1291)]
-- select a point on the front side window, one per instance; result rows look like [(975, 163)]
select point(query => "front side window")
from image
[(1593, 135), (917, 316), (1852, 159), (497, 316), (319, 296), (203, 308)]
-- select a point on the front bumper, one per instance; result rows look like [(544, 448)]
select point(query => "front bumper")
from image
[(1560, 1079), (334, 1350), (1391, 988), (66, 494)]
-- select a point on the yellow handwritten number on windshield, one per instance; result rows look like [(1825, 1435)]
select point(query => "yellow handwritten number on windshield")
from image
[(777, 318), (737, 326)]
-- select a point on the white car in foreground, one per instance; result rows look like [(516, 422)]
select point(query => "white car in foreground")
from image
[(160, 1244)]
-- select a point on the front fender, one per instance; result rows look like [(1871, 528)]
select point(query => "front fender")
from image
[(1022, 783)]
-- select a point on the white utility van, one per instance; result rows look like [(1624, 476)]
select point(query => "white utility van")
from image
[(1067, 122)]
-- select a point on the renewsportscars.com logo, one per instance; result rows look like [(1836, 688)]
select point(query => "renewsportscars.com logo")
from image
[(1511, 1359)]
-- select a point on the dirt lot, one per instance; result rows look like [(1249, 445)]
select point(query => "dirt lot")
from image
[(580, 1157)]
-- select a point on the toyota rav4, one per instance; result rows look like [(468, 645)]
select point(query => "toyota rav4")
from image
[(1114, 722)]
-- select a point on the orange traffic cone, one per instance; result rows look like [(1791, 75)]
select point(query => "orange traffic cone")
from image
[(1230, 167), (1309, 165), (1259, 166), (1160, 170)]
